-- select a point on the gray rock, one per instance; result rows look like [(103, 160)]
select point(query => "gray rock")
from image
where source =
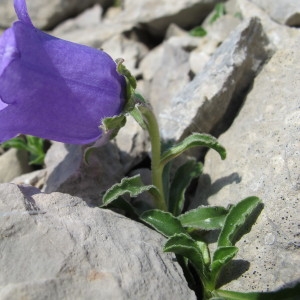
[(131, 51), (170, 78), (263, 147), (35, 178), (13, 162), (56, 247), (44, 14), (68, 173), (93, 36), (157, 15), (88, 19), (133, 144), (279, 35), (286, 12), (218, 89)]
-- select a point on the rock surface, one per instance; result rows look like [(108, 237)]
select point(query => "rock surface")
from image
[(56, 247), (194, 84), (13, 162), (203, 103), (263, 147), (44, 14)]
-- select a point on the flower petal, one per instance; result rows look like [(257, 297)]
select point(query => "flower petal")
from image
[(22, 12), (52, 88)]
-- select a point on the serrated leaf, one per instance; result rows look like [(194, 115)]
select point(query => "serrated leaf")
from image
[(128, 185), (236, 219), (184, 245), (182, 179), (290, 293), (220, 258), (163, 222), (205, 218), (194, 140)]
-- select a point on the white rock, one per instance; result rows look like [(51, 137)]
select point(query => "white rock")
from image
[(157, 15), (13, 162), (203, 103), (286, 12), (56, 247), (263, 147)]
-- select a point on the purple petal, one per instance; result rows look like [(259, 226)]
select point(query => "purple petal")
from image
[(52, 88), (21, 11)]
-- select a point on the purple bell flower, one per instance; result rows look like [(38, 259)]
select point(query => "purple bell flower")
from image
[(52, 88)]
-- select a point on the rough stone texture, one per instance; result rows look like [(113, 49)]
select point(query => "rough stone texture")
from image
[(95, 36), (133, 144), (13, 163), (170, 78), (202, 104), (56, 247), (263, 147), (68, 173), (279, 35), (44, 14), (86, 20), (156, 15), (285, 11), (131, 51)]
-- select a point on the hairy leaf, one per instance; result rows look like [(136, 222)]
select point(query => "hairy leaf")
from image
[(194, 140), (237, 217), (186, 246), (205, 218), (131, 185), (220, 258), (122, 204), (182, 179), (163, 222), (290, 293)]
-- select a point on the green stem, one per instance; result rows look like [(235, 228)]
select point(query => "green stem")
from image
[(156, 168)]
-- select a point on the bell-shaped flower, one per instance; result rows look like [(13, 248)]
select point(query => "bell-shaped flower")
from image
[(54, 89)]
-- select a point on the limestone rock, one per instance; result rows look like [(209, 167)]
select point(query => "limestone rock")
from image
[(156, 15), (283, 11), (131, 51), (171, 75), (86, 20), (279, 35), (218, 89), (263, 147), (68, 173), (13, 162), (44, 14), (56, 247)]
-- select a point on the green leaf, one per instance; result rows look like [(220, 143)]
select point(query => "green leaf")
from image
[(163, 222), (113, 125), (138, 116), (291, 293), (205, 218), (182, 179), (17, 143), (184, 245), (121, 203), (194, 140), (219, 12), (198, 31), (237, 217), (220, 258), (131, 185)]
